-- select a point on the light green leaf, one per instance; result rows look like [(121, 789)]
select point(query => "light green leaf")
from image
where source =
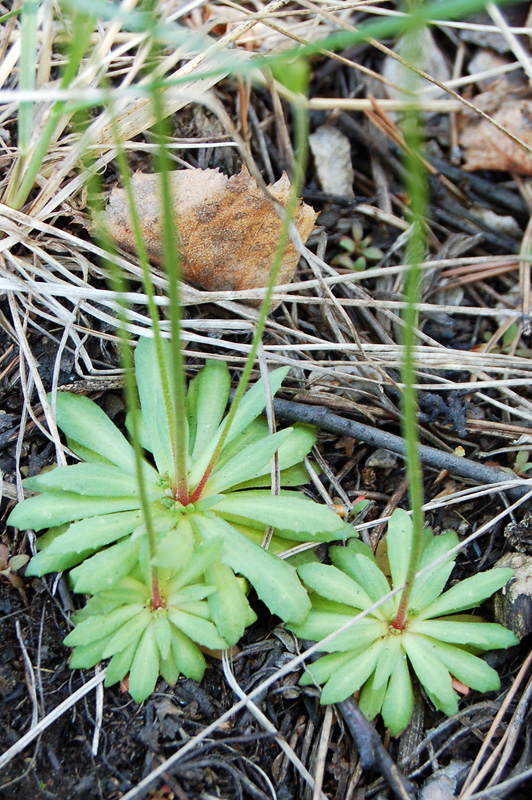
[(350, 677), (468, 593), (366, 573), (198, 629), (129, 632), (105, 568), (469, 669), (96, 480), (429, 586), (42, 563), (334, 584), (254, 402), (371, 698), (145, 667), (98, 627), (169, 669), (163, 632), (120, 664), (398, 703), (212, 393), (485, 635), (175, 549), (53, 508), (290, 454), (96, 532), (228, 605), (432, 674), (291, 511), (388, 658), (86, 656), (85, 422), (292, 476), (275, 581), (152, 401), (204, 555), (187, 655), (247, 464), (399, 543), (321, 670)]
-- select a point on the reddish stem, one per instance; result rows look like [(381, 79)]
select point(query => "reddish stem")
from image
[(196, 494), (156, 599), (400, 618)]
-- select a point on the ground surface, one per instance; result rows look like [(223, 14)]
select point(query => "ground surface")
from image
[(340, 332)]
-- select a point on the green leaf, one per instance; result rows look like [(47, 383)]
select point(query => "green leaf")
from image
[(85, 422), (292, 476), (468, 593), (54, 508), (97, 480), (187, 655), (169, 669), (366, 573), (290, 511), (399, 543), (324, 667), (163, 632), (145, 667), (253, 403), (175, 550), (275, 581), (247, 464), (204, 555), (98, 627), (469, 669), (152, 401), (359, 636), (120, 664), (197, 629), (432, 674), (485, 635), (106, 568), (429, 586), (350, 676), (334, 584), (130, 631), (388, 658), (398, 703), (96, 532), (228, 605), (371, 698), (212, 393), (86, 656), (43, 563), (290, 454)]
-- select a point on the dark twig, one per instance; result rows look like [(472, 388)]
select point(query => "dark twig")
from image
[(322, 418), (371, 750)]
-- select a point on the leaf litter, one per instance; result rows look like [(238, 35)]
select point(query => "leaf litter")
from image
[(335, 328)]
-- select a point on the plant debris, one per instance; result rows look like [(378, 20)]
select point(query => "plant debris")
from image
[(228, 228)]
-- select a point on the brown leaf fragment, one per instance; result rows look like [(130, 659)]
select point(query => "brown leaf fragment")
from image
[(228, 229), (487, 148)]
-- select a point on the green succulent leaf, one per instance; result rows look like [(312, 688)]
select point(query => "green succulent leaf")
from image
[(100, 626), (432, 674), (145, 667), (398, 703), (228, 605), (288, 511), (275, 581), (469, 669), (152, 401), (51, 509), (96, 532), (247, 464), (83, 421), (350, 676), (484, 635), (120, 664), (469, 593), (106, 568), (187, 655), (97, 480), (332, 583), (212, 387), (198, 629)]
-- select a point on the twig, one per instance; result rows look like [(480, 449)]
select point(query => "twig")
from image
[(371, 750), (464, 467)]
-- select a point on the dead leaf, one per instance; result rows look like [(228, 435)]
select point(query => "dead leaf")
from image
[(487, 148), (332, 157), (228, 230)]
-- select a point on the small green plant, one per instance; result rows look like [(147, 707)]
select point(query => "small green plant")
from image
[(358, 250), (165, 577), (431, 637)]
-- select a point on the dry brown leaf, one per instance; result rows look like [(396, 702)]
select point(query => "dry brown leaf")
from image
[(487, 148), (228, 230)]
